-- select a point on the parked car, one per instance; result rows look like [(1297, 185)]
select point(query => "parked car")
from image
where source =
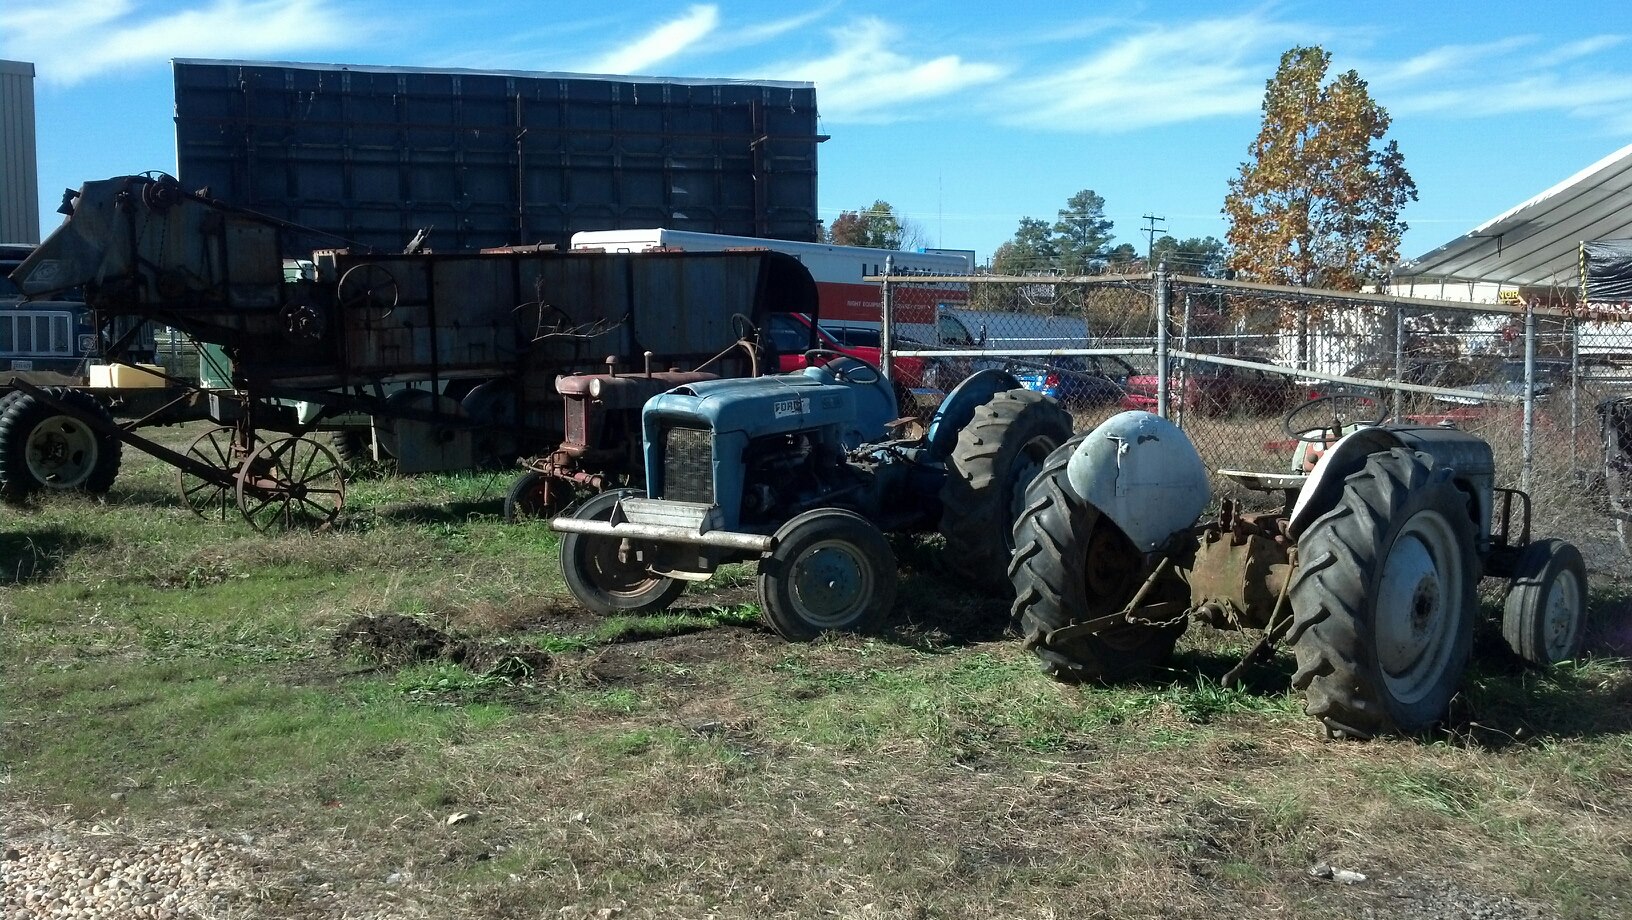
[(942, 373), (1505, 378), (1075, 381), (1218, 389), (791, 334)]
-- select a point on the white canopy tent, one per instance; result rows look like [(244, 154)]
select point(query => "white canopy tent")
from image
[(1537, 243)]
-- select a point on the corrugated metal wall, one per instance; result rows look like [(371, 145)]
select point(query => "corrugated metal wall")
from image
[(372, 154), (19, 172)]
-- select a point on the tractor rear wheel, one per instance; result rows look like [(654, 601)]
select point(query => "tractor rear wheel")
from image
[(1544, 619), (41, 448), (606, 576), (1384, 599), (832, 570), (1071, 564), (997, 456)]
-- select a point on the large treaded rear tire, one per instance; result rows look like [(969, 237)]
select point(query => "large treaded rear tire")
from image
[(1050, 575), (997, 455), (41, 448), (1384, 599)]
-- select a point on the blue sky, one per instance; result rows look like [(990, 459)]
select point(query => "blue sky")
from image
[(966, 116)]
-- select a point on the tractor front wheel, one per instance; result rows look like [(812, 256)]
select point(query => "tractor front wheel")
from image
[(608, 574), (1071, 564), (532, 496), (1384, 599), (997, 456), (1544, 619), (830, 571)]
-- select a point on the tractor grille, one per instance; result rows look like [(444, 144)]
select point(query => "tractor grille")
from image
[(688, 465), (577, 421)]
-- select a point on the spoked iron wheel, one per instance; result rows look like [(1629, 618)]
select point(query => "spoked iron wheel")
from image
[(291, 483), (218, 448)]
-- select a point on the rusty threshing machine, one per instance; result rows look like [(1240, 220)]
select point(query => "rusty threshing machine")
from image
[(448, 358)]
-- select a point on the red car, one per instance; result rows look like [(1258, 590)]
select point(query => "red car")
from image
[(1217, 389), (791, 334)]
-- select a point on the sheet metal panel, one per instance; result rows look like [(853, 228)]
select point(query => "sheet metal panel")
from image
[(19, 171), (371, 155)]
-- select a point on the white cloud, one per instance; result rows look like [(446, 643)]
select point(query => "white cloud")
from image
[(867, 79), (27, 24), (1586, 47), (660, 44), (76, 41), (1201, 69), (1509, 77), (1446, 59), (764, 32)]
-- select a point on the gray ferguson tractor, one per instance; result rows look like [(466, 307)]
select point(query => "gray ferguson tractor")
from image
[(1369, 571), (804, 474)]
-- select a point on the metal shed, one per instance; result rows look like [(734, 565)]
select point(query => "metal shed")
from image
[(1538, 242)]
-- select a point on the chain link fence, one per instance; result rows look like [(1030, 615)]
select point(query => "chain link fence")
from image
[(1228, 361)]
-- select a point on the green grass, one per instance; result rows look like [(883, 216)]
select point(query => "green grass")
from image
[(162, 674)]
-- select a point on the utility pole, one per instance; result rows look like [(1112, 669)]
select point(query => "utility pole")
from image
[(1151, 221)]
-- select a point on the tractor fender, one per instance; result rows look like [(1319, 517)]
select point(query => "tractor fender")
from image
[(958, 409), (1141, 471), (1324, 488), (1468, 455)]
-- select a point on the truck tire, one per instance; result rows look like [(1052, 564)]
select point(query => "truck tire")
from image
[(1544, 617), (41, 448), (832, 570), (600, 580), (1071, 564), (1384, 599), (352, 447), (997, 455)]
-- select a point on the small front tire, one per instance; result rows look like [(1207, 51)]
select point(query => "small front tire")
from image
[(830, 571), (530, 498), (1544, 618)]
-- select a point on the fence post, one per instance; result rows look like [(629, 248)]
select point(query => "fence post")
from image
[(1575, 389), (1162, 294), (1529, 394), (1184, 345), (886, 319), (1399, 360)]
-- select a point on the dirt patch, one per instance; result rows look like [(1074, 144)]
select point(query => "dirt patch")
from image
[(643, 660), (397, 641)]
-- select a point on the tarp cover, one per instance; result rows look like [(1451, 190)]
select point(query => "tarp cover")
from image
[(1607, 270)]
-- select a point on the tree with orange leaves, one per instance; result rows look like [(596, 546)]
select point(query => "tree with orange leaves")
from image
[(1318, 205)]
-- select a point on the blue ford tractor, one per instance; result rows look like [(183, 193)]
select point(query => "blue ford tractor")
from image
[(806, 473), (1370, 570)]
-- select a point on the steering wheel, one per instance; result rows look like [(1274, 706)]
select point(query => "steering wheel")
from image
[(811, 354), (1327, 418)]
